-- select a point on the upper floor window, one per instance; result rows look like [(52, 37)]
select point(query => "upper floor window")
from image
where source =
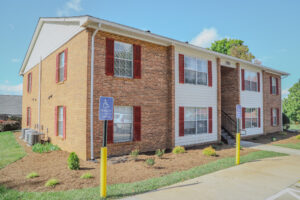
[(123, 60), (251, 117), (274, 85), (29, 82), (123, 124), (251, 83), (61, 66), (195, 71), (195, 121)]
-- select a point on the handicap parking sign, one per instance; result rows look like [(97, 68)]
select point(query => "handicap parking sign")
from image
[(106, 108), (238, 111)]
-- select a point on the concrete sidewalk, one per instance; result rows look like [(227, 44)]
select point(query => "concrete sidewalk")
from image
[(263, 179)]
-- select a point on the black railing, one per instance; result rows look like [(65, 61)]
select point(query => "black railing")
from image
[(229, 124)]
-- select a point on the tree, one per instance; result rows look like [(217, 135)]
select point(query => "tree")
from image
[(291, 104), (232, 47)]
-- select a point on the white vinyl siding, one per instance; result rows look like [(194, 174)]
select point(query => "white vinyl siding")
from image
[(123, 124), (123, 60)]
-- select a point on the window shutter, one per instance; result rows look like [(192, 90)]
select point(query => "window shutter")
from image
[(243, 118), (28, 83), (271, 116), (27, 116), (55, 121), (110, 131), (259, 117), (109, 58), (181, 121), (137, 123), (66, 64), (57, 68), (270, 84), (209, 71), (65, 122), (30, 89), (277, 116), (137, 65), (258, 81), (210, 120), (243, 79), (277, 87), (181, 68)]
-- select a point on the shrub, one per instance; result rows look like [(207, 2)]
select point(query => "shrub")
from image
[(150, 161), (285, 121), (10, 125), (274, 139), (159, 153), (209, 151), (178, 149), (52, 183), (44, 148), (298, 137), (134, 153), (32, 175), (73, 161), (86, 176)]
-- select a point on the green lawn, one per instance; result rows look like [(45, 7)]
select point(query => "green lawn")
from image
[(295, 126), (126, 189), (10, 150), (290, 145)]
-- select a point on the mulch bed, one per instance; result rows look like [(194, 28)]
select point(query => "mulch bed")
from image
[(281, 138), (54, 165)]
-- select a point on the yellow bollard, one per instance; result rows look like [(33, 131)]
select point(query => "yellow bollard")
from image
[(103, 172), (238, 147)]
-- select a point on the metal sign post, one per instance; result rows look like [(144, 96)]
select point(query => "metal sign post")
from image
[(238, 134), (106, 112)]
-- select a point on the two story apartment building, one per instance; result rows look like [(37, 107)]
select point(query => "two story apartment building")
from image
[(166, 92)]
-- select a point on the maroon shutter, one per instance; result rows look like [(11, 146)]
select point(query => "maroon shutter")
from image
[(137, 123), (57, 68), (109, 58), (270, 84), (209, 71), (258, 81), (137, 65), (277, 86), (277, 116), (181, 121), (243, 79), (110, 131), (30, 89), (28, 82), (55, 121), (271, 116), (259, 117), (27, 116), (243, 118), (210, 120), (65, 122), (66, 64), (181, 68)]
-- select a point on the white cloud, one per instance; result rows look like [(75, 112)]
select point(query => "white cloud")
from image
[(285, 92), (71, 5), (15, 60), (206, 37), (11, 89)]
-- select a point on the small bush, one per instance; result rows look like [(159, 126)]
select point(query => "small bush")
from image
[(298, 137), (10, 125), (159, 153), (209, 151), (86, 176), (32, 175), (274, 139), (150, 161), (44, 148), (134, 153), (285, 121), (73, 161), (178, 149), (52, 183)]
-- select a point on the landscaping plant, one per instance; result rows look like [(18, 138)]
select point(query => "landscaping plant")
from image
[(178, 149), (298, 137), (209, 151), (150, 161), (73, 161), (274, 139), (32, 175), (52, 182), (44, 148), (160, 152), (86, 176), (134, 154)]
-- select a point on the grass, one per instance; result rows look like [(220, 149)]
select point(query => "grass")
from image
[(52, 182), (295, 126), (10, 150), (44, 148), (86, 176), (32, 175), (126, 189), (290, 145)]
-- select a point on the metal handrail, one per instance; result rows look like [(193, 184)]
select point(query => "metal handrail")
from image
[(228, 124)]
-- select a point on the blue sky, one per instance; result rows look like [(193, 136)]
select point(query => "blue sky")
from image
[(271, 28)]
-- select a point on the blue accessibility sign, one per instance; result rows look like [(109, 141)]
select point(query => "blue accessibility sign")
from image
[(238, 111), (106, 108)]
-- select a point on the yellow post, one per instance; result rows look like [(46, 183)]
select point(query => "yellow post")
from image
[(238, 147), (103, 172)]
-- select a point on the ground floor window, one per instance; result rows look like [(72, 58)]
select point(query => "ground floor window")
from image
[(274, 117), (28, 116), (60, 121), (195, 121), (251, 117), (123, 124)]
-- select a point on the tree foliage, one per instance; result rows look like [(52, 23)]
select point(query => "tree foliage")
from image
[(232, 47), (291, 104)]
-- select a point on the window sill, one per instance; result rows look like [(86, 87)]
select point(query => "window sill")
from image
[(124, 143), (123, 78), (60, 83), (194, 84)]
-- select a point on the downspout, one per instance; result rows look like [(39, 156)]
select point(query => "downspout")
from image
[(39, 104), (92, 93)]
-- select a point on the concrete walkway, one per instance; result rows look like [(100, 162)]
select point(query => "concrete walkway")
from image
[(264, 179)]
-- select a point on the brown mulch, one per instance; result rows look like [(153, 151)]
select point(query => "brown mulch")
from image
[(54, 165), (281, 138)]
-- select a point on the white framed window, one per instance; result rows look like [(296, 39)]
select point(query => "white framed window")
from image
[(123, 59), (274, 116), (123, 124), (251, 81), (251, 117), (274, 87), (61, 66), (195, 121), (60, 121), (195, 71)]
